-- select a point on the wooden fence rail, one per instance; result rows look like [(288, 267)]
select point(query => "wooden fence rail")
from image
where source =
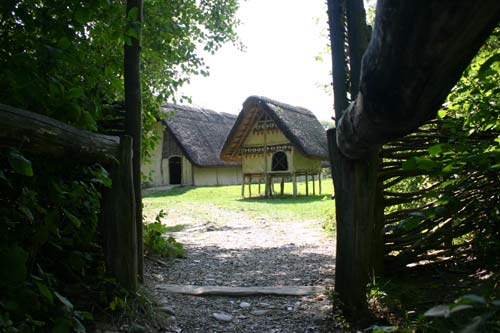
[(28, 131)]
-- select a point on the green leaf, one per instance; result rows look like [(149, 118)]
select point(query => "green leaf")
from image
[(132, 33), (45, 292), (474, 298), (78, 326), (425, 163), (13, 268), (68, 306), (461, 307), (82, 15), (410, 164), (435, 150), (75, 220), (2, 176), (132, 14), (19, 163), (442, 113), (75, 92), (438, 311), (487, 67), (27, 212)]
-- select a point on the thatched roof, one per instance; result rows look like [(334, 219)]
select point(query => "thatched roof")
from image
[(299, 125), (199, 132)]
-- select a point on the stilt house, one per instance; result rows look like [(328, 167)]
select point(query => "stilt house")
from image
[(188, 152), (275, 140)]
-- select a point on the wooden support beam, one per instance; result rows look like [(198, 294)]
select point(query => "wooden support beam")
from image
[(241, 291), (319, 180), (307, 184), (282, 185), (119, 224), (250, 186), (40, 134), (314, 187), (294, 180), (243, 186)]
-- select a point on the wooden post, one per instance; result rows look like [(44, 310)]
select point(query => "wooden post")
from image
[(243, 186), (260, 180), (319, 181), (119, 217), (355, 182), (133, 117), (272, 185), (294, 179), (282, 185), (314, 187), (250, 186), (307, 184)]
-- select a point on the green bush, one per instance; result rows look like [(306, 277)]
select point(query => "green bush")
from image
[(51, 261), (156, 243)]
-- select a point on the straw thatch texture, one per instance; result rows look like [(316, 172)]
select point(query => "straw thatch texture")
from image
[(299, 125), (199, 132)]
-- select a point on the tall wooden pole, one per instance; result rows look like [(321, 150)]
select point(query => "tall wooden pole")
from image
[(354, 180), (133, 108)]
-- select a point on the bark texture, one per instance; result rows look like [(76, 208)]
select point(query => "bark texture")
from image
[(133, 117), (354, 180), (417, 52), (40, 134)]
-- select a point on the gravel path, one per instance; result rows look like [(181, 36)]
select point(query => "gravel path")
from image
[(233, 249)]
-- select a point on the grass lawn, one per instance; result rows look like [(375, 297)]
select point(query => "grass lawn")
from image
[(201, 199)]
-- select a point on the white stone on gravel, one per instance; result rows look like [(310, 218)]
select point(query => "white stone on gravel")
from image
[(244, 305), (259, 312), (167, 309), (222, 316)]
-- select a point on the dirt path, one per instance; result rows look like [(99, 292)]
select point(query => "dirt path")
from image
[(232, 249)]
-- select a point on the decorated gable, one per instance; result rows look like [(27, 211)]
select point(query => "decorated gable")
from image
[(265, 136)]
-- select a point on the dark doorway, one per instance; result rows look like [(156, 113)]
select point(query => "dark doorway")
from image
[(175, 170), (280, 163)]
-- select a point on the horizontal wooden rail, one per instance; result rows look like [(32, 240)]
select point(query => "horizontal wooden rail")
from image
[(34, 132)]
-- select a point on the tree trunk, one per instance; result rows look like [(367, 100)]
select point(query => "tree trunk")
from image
[(133, 118), (355, 207), (417, 52), (354, 180)]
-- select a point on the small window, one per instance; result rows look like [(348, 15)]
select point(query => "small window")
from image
[(280, 162)]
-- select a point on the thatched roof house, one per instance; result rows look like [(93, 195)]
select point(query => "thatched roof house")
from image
[(189, 150), (273, 139)]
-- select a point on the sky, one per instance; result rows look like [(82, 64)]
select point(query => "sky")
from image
[(282, 39)]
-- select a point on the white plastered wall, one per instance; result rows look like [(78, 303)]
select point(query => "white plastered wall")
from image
[(152, 170)]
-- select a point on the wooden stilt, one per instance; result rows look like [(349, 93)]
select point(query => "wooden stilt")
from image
[(282, 185), (250, 186), (307, 184), (272, 185), (314, 187), (319, 180), (243, 186), (294, 180), (260, 180)]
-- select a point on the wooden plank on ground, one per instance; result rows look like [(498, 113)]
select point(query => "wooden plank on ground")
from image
[(241, 291)]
